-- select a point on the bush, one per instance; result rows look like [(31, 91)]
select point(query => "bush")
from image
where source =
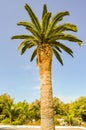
[(16, 122), (5, 121)]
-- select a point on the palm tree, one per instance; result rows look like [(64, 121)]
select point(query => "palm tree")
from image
[(46, 36), (11, 111)]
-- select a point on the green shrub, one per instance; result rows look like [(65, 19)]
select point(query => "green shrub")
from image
[(17, 122), (5, 121)]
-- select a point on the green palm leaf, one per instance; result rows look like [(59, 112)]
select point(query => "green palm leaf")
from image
[(64, 27), (33, 17), (30, 27), (34, 54), (23, 49), (65, 48), (56, 47), (44, 10), (57, 56), (27, 41), (21, 37), (24, 43), (45, 21), (63, 36), (27, 46), (58, 17)]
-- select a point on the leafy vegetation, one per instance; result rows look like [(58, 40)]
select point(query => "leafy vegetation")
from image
[(24, 113)]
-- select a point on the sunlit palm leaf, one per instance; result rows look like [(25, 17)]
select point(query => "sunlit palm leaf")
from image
[(63, 36), (44, 10), (33, 17), (64, 27), (45, 21), (30, 27), (28, 46), (24, 43), (71, 38), (58, 17), (27, 41)]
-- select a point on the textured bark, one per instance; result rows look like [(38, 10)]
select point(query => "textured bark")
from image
[(44, 54)]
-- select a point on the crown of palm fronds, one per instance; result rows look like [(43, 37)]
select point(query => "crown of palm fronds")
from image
[(48, 31)]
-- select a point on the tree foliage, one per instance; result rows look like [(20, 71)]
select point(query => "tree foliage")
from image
[(28, 113), (49, 30)]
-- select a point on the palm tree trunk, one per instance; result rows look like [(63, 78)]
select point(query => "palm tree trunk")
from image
[(44, 54)]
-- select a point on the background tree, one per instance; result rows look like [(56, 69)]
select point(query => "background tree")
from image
[(21, 113), (34, 110), (5, 107), (59, 107), (78, 108), (45, 36)]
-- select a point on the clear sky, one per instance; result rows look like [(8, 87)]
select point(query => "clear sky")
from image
[(18, 76)]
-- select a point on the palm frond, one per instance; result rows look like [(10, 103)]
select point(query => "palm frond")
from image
[(63, 36), (33, 17), (25, 42), (64, 27), (56, 47), (23, 49), (45, 21), (21, 37), (24, 23), (65, 48), (30, 27), (27, 46), (52, 38), (57, 56), (34, 54), (44, 10), (57, 18)]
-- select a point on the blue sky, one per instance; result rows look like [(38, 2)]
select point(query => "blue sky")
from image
[(18, 76)]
